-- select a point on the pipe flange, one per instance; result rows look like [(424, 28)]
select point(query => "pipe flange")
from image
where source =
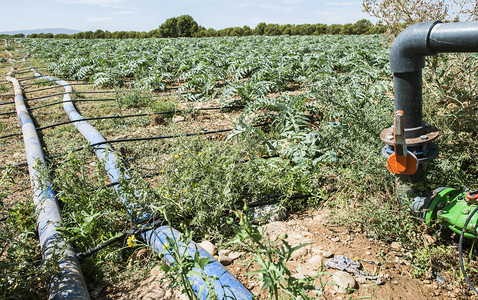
[(429, 134)]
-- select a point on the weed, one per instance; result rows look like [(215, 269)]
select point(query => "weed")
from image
[(380, 218), (132, 98), (432, 260), (272, 258), (206, 180), (24, 273), (186, 267), (163, 104)]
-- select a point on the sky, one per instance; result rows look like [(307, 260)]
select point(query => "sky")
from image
[(146, 15)]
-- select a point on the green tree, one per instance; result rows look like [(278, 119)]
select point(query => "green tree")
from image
[(260, 28), (347, 29), (62, 36), (169, 28), (272, 29), (247, 30), (98, 34), (334, 29), (362, 27), (182, 26), (320, 29), (186, 26)]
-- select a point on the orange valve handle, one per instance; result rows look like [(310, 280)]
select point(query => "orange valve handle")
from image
[(401, 162), (402, 165)]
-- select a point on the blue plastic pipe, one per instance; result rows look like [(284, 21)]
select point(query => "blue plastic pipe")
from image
[(226, 286), (68, 283)]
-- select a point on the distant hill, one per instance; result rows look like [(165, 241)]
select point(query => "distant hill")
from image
[(44, 30)]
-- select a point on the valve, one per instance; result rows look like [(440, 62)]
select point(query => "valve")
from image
[(401, 161), (451, 208), (472, 196)]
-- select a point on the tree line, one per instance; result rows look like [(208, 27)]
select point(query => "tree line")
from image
[(186, 26)]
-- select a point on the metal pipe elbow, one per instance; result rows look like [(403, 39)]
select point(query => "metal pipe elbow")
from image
[(410, 48)]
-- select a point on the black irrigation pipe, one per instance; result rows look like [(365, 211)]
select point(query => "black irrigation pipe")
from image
[(25, 78), (59, 102), (59, 94), (77, 100), (10, 135), (101, 246), (3, 219), (124, 116), (28, 69), (95, 92), (8, 113), (129, 232), (56, 87), (133, 140), (22, 72), (156, 224), (39, 82), (37, 98), (160, 137), (272, 199)]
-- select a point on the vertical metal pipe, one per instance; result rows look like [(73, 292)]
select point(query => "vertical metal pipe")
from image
[(69, 282), (408, 98), (407, 58)]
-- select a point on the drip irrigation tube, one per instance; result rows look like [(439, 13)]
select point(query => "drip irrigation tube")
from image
[(20, 79), (8, 113), (139, 139), (68, 283), (60, 102), (42, 97), (23, 72), (35, 83), (161, 137), (59, 94), (55, 87), (118, 238), (122, 117), (225, 284), (76, 100)]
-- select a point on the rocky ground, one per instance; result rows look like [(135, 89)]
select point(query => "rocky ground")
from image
[(378, 270)]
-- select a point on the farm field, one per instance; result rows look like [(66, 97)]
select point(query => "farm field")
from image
[(223, 127)]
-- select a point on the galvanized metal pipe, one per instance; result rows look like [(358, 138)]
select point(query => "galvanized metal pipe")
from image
[(407, 58), (69, 282), (226, 286)]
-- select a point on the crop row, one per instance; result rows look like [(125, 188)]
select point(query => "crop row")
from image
[(246, 67)]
